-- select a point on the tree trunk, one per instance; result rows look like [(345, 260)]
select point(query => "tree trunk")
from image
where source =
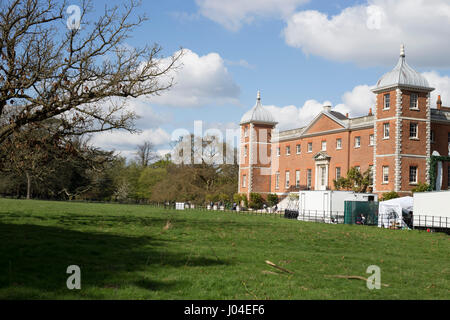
[(28, 186)]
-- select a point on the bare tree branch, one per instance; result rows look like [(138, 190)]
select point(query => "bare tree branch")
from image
[(81, 77)]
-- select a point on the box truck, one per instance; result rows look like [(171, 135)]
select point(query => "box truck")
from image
[(328, 206), (432, 210)]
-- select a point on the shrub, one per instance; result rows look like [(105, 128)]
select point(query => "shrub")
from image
[(389, 195), (223, 197), (245, 199), (422, 187), (272, 199), (256, 201), (239, 198)]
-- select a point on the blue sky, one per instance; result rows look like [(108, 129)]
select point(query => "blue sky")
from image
[(301, 54)]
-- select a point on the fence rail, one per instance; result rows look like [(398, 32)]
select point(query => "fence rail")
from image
[(338, 217), (416, 221)]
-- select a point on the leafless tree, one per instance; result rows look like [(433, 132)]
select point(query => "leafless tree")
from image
[(80, 76), (146, 154)]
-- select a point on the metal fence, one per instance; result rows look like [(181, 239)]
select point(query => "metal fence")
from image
[(433, 223), (423, 221), (415, 221)]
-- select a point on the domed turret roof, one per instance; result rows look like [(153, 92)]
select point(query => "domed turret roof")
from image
[(258, 114), (402, 75)]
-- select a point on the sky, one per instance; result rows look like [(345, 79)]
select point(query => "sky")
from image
[(300, 54)]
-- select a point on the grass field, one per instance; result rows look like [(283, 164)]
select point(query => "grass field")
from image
[(131, 252)]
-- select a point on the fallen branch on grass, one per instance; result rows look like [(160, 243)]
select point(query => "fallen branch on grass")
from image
[(278, 267), (168, 225), (270, 272), (352, 277)]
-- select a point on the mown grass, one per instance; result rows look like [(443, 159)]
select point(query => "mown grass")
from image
[(128, 252)]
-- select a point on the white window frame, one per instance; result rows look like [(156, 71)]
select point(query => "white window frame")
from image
[(245, 151), (309, 178), (287, 181), (416, 174), (338, 144), (309, 147), (246, 132), (298, 149), (388, 126), (416, 104), (386, 101), (371, 140), (244, 181), (324, 146), (416, 126), (297, 178), (338, 170), (358, 142), (385, 173), (288, 150), (278, 151)]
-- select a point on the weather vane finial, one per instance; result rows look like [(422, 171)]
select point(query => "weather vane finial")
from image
[(402, 51)]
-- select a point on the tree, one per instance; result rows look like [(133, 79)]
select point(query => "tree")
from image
[(422, 187), (56, 166), (203, 171), (355, 180), (272, 199), (146, 154), (30, 152), (80, 76), (389, 195), (148, 179), (256, 201)]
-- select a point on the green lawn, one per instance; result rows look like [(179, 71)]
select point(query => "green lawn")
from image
[(125, 252)]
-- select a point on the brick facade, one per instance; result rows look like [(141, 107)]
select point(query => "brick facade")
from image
[(332, 143)]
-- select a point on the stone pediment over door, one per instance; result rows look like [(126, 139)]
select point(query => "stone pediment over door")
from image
[(322, 156)]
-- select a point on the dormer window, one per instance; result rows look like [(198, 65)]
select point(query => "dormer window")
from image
[(414, 101), (387, 101)]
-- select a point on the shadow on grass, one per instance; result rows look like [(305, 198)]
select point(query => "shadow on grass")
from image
[(37, 257), (73, 220)]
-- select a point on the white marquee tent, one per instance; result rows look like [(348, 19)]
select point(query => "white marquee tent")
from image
[(390, 212)]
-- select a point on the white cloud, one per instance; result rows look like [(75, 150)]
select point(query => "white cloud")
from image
[(241, 63), (123, 140), (442, 86), (371, 34), (357, 102), (232, 14), (291, 117), (199, 80)]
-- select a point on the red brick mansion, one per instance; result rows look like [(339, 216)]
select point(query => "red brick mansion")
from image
[(396, 140)]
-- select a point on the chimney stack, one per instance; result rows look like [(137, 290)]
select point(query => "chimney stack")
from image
[(370, 112), (439, 102), (346, 114), (327, 108)]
